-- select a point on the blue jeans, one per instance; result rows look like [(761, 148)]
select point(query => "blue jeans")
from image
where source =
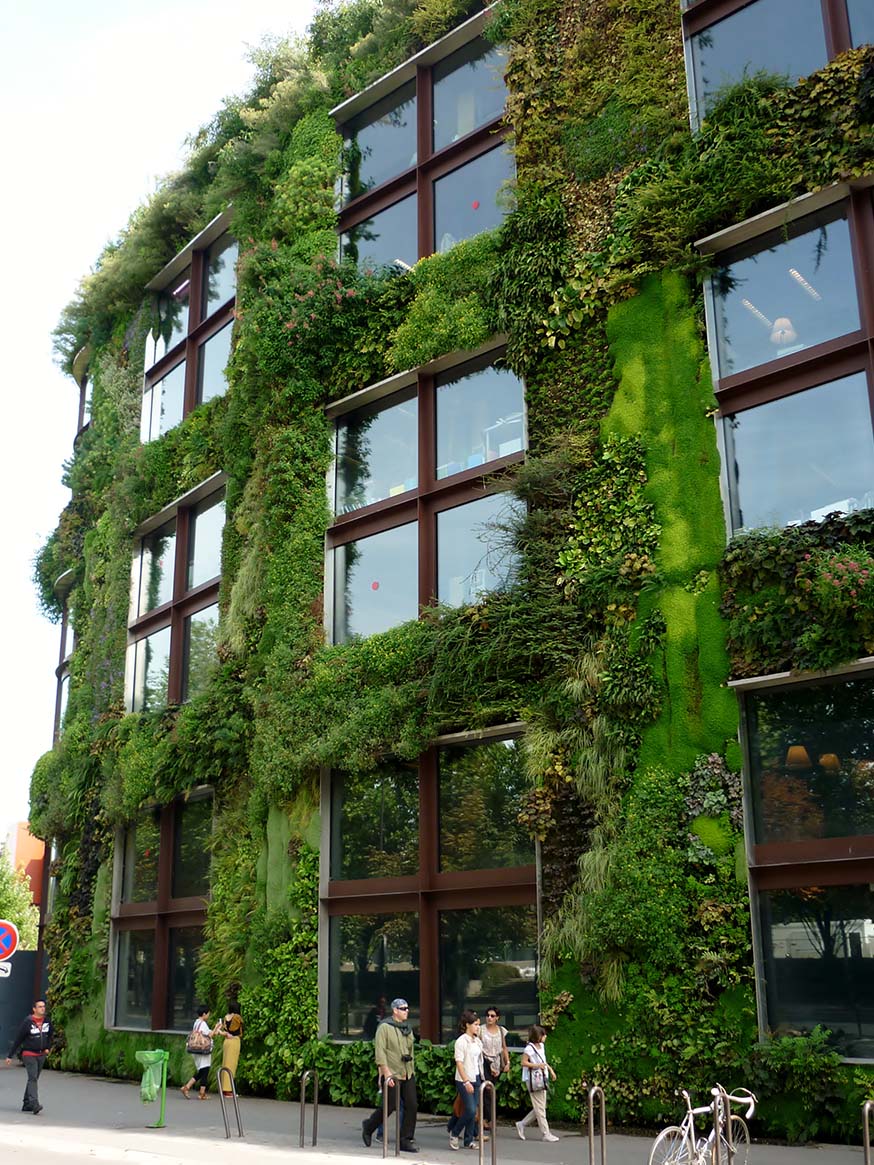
[(466, 1123)]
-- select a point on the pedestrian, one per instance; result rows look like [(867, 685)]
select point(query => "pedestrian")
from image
[(468, 1079), (232, 1030), (33, 1039), (536, 1074), (202, 1035), (496, 1058), (393, 1051), (374, 1018)]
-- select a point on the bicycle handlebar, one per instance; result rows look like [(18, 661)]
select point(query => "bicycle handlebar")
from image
[(745, 1097)]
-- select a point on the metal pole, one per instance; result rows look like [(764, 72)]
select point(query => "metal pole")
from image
[(222, 1073), (487, 1084), (385, 1115), (717, 1139), (303, 1102), (867, 1108), (725, 1111), (596, 1092)]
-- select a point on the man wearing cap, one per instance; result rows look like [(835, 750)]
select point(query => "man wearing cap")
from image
[(393, 1049)]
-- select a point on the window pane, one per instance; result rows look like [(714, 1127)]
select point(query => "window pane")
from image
[(212, 360), (469, 91), (185, 944), (381, 142), (481, 792), (466, 199), (861, 22), (136, 968), (146, 414), (376, 452), (777, 296), (205, 542), (156, 563), (173, 315), (139, 881), (373, 957), (65, 696), (200, 660), (479, 418), (391, 235), (812, 761), (167, 403), (375, 583), (801, 457), (151, 671), (474, 555), (220, 274), (375, 823), (192, 832), (818, 948), (488, 958), (783, 37)]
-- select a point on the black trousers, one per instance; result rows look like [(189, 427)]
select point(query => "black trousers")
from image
[(33, 1067), (407, 1090)]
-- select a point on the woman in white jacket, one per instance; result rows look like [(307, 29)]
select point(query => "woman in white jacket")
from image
[(536, 1074), (468, 1078)]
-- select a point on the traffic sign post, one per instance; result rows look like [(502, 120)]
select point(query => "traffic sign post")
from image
[(8, 946)]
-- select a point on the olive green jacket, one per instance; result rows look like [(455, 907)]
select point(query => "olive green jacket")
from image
[(390, 1045)]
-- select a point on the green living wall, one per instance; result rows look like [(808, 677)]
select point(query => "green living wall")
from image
[(615, 640)]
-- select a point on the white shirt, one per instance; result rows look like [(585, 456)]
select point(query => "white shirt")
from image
[(468, 1053)]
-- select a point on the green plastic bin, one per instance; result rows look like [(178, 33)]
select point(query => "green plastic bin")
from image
[(154, 1079)]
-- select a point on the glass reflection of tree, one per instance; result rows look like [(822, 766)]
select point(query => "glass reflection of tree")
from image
[(143, 876), (471, 940), (158, 552), (353, 462), (202, 658), (191, 857), (371, 942), (481, 791), (380, 823), (156, 678)]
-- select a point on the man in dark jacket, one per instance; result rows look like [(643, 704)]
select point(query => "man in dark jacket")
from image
[(33, 1038)]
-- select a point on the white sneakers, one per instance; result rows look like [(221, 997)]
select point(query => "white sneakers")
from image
[(520, 1130), (453, 1142), (550, 1137)]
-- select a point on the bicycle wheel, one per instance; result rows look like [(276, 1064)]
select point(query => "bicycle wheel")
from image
[(740, 1137), (670, 1148)]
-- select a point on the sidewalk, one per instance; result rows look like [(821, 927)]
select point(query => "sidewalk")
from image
[(88, 1118)]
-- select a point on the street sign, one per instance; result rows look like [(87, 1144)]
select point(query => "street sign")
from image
[(5, 970), (8, 942)]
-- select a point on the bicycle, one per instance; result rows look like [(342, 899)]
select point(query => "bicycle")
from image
[(678, 1145)]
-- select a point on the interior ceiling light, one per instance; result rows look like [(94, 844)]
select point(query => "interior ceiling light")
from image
[(802, 282), (751, 307)]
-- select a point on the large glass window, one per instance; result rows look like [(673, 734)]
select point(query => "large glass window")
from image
[(212, 360), (140, 869), (801, 456), (474, 549), (385, 238), (778, 37), (173, 315), (861, 13), (375, 582), (150, 671), (136, 970), (163, 404), (153, 569), (469, 91), (481, 795), (205, 542), (219, 275), (201, 642), (376, 452), (480, 417), (375, 823), (185, 944), (191, 837), (374, 958), (785, 292), (381, 142), (470, 200)]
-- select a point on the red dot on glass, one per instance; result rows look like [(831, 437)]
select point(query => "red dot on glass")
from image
[(374, 586), (475, 204)]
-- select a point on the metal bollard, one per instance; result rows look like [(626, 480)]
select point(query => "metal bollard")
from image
[(385, 1121), (303, 1103), (227, 1074), (722, 1126), (867, 1109), (596, 1092), (487, 1084)]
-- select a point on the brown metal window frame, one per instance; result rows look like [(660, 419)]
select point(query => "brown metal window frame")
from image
[(836, 22), (432, 891), (185, 602), (162, 915)]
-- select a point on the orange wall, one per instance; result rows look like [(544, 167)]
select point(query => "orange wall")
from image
[(28, 855)]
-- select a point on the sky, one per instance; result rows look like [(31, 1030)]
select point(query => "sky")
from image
[(99, 96)]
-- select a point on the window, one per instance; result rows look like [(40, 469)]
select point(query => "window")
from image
[(173, 627), (189, 346), (159, 915), (414, 522), (861, 22), (432, 889), (422, 167), (811, 777)]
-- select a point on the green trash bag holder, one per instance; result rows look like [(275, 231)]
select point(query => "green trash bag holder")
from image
[(150, 1060)]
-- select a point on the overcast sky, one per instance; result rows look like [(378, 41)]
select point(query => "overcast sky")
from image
[(98, 97)]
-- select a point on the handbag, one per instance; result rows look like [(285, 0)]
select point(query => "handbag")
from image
[(198, 1043), (538, 1079)]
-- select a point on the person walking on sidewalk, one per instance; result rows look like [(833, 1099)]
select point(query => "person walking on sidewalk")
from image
[(536, 1074), (393, 1050), (468, 1080), (33, 1039)]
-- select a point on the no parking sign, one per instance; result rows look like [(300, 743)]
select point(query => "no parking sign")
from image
[(8, 946)]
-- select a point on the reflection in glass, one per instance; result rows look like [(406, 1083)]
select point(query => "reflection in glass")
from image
[(139, 882), (172, 325), (375, 583), (146, 414), (812, 761), (466, 201), (390, 235), (376, 452), (861, 14), (219, 274), (784, 292), (373, 959), (191, 836), (200, 659), (212, 360), (153, 570), (65, 696), (381, 142), (782, 37), (150, 671), (802, 456), (488, 958), (479, 418), (818, 951), (469, 91), (474, 554), (481, 792), (163, 404), (205, 542), (136, 969), (375, 823), (185, 944)]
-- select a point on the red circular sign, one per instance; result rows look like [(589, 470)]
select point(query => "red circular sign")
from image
[(8, 939)]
